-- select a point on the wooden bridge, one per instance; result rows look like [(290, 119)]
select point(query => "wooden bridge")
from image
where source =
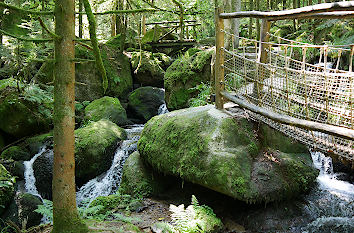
[(274, 82)]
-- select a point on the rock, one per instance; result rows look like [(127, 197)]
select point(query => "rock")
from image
[(138, 179), (94, 150), (26, 113), (35, 143), (7, 183), (144, 102), (149, 67), (89, 85), (22, 211), (43, 172), (16, 168), (16, 153), (184, 74), (332, 224), (106, 108), (210, 148)]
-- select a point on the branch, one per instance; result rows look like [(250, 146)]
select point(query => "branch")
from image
[(120, 11), (299, 12), (305, 124), (31, 12), (96, 50), (52, 34), (84, 45), (26, 39)]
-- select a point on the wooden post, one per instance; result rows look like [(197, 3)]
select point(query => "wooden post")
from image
[(219, 60), (262, 58), (144, 25)]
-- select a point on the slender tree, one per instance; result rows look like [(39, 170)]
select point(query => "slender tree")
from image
[(65, 216)]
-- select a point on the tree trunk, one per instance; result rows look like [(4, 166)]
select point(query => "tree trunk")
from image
[(119, 18), (65, 216), (81, 6), (250, 25), (1, 17)]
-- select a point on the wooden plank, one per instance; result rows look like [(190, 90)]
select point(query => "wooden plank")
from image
[(305, 124), (219, 60), (293, 13)]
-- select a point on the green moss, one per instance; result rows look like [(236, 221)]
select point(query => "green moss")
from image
[(7, 183), (185, 73), (106, 108), (16, 153), (115, 42), (36, 142), (94, 147), (66, 222), (155, 33), (277, 140)]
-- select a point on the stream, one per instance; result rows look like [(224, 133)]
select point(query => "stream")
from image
[(329, 205)]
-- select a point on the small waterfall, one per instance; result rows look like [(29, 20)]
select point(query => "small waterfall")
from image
[(109, 182), (331, 203), (162, 109), (30, 180)]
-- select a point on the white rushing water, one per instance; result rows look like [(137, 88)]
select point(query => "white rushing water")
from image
[(30, 180), (330, 205), (109, 182)]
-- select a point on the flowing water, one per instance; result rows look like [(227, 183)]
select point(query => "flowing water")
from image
[(109, 182), (330, 205), (30, 180)]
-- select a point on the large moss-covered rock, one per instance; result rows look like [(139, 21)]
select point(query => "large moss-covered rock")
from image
[(88, 84), (144, 102), (208, 147), (94, 148), (16, 153), (26, 112), (155, 33), (22, 210), (184, 74), (106, 108), (139, 179), (149, 68), (7, 183)]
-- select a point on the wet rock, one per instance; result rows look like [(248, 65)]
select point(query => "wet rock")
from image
[(185, 73), (209, 147), (16, 153), (106, 108), (22, 211), (94, 150), (144, 102), (332, 224)]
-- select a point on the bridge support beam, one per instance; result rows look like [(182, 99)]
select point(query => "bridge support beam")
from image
[(219, 59)]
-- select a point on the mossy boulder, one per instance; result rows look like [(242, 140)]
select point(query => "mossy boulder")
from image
[(94, 148), (16, 153), (210, 148), (35, 143), (184, 74), (95, 145), (22, 210), (106, 108), (7, 183), (144, 102), (139, 179), (25, 112), (149, 68), (88, 86)]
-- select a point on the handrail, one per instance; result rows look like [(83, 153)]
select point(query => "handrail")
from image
[(315, 11)]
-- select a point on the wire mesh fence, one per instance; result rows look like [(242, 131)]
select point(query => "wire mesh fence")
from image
[(288, 84)]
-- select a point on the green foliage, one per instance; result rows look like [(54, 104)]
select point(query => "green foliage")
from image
[(194, 219), (204, 91), (102, 208)]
